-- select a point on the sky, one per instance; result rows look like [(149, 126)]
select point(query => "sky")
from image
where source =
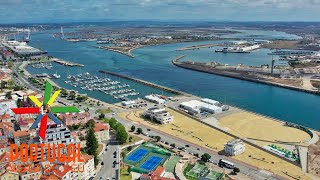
[(51, 11)]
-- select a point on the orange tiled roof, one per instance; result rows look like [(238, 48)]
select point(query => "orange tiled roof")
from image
[(21, 133), (100, 127), (4, 157), (159, 171), (61, 174), (51, 177), (86, 157), (76, 115), (5, 116)]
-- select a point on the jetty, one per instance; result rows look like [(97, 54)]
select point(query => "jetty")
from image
[(66, 63), (238, 74), (173, 91), (122, 50), (197, 47)]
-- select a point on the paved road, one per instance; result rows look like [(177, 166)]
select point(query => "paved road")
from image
[(108, 170)]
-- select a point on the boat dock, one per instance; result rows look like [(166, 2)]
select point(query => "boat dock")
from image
[(66, 63), (146, 83)]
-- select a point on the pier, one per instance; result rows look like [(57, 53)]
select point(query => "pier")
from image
[(197, 47), (66, 63), (146, 83)]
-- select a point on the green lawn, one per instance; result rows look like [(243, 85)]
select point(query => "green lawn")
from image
[(171, 163), (124, 174), (133, 140), (187, 169), (104, 111), (100, 148)]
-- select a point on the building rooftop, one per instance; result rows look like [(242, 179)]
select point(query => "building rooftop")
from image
[(234, 142), (86, 157), (100, 127), (61, 173), (21, 133)]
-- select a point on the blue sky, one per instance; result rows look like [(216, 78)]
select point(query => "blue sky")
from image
[(13, 11)]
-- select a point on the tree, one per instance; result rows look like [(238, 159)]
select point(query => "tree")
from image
[(92, 145), (91, 123), (123, 154), (72, 96), (139, 130), (102, 116), (129, 148), (133, 128), (113, 123), (64, 93), (158, 138), (9, 95), (236, 170), (205, 157), (122, 134), (19, 103)]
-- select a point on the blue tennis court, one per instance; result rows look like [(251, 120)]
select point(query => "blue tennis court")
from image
[(151, 163), (137, 155)]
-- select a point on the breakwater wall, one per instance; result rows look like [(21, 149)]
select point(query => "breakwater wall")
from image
[(238, 76), (146, 83)]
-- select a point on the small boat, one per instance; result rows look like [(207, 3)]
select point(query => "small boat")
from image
[(56, 76)]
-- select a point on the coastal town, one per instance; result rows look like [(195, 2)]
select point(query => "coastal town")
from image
[(149, 136)]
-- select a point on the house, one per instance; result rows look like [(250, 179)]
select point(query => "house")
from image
[(21, 137), (31, 173), (6, 129), (25, 123), (159, 115), (6, 105), (8, 55), (5, 118), (158, 174), (49, 177), (64, 172), (101, 131), (234, 147), (75, 118), (9, 175), (88, 168)]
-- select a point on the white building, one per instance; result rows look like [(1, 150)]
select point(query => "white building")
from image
[(57, 134), (154, 99), (196, 107), (160, 115), (234, 147), (210, 101)]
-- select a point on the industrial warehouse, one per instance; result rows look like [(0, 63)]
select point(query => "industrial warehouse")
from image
[(203, 107)]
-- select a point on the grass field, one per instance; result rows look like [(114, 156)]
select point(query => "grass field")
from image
[(187, 169), (171, 163), (193, 131), (105, 111), (100, 148), (248, 125), (133, 139), (124, 174)]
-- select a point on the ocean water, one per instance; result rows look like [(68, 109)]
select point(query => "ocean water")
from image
[(153, 64)]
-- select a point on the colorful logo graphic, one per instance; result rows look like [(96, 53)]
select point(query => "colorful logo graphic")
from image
[(45, 110)]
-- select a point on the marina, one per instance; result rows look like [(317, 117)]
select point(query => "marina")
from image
[(88, 82)]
